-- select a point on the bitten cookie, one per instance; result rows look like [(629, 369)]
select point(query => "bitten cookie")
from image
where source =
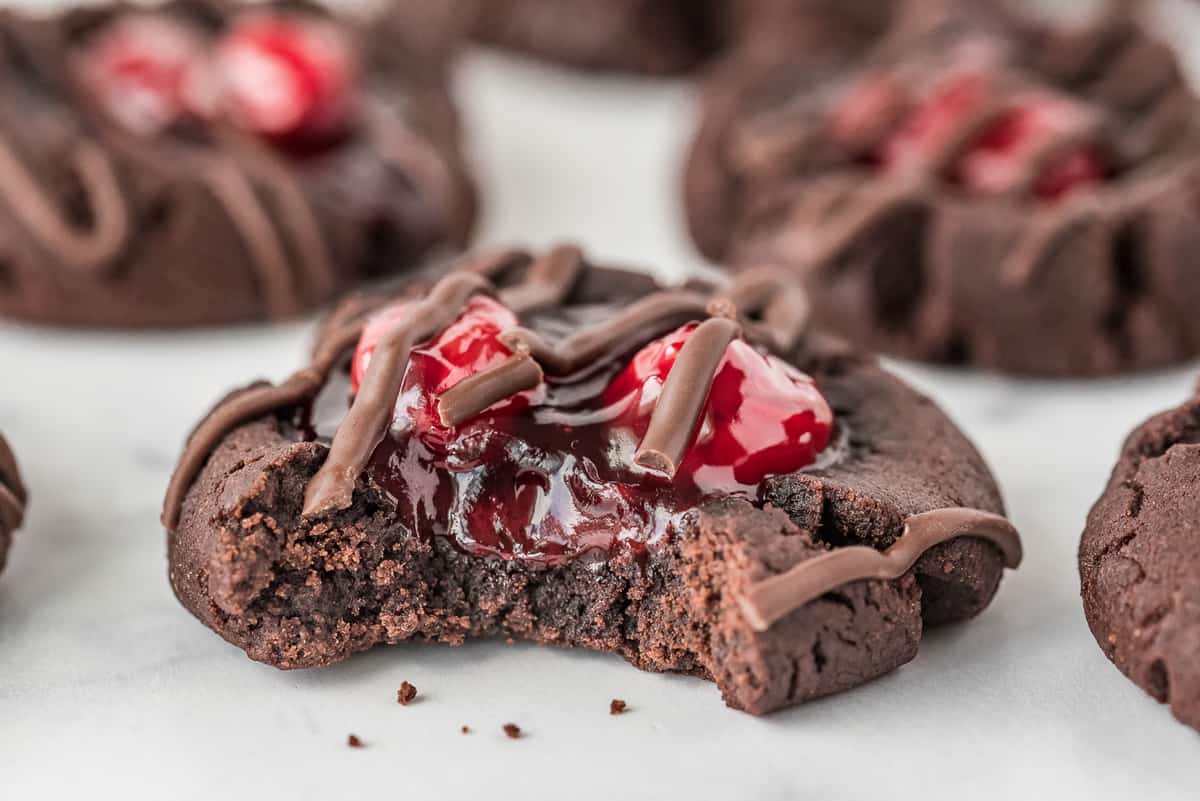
[(206, 162), (1139, 561), (981, 189), (12, 499), (543, 449)]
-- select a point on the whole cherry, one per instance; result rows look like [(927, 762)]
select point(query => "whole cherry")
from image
[(286, 78), (997, 160), (469, 345), (762, 417), (141, 69)]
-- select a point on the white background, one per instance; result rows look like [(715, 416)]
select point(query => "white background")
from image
[(108, 688)]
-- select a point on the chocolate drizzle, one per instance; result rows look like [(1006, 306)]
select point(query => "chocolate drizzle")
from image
[(12, 496), (767, 601), (91, 249), (680, 406), (374, 405)]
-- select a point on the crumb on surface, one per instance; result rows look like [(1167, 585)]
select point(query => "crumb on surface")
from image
[(466, 729), (616, 707), (406, 693), (354, 742), (512, 730)]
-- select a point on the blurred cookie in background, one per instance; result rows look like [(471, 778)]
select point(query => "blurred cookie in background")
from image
[(209, 162), (984, 187), (12, 499)]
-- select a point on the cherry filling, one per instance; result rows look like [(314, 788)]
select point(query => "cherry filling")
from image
[(141, 69), (288, 79), (549, 474), (996, 159)]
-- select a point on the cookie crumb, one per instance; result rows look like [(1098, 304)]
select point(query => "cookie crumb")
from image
[(616, 707), (512, 730), (466, 729), (354, 742), (406, 693)]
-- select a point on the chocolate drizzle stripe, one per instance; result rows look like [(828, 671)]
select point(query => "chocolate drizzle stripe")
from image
[(93, 249), (241, 409), (235, 192), (649, 316), (550, 278), (475, 394), (332, 488), (1038, 244), (299, 219), (858, 204), (1046, 152), (492, 264), (769, 600), (684, 394), (783, 303)]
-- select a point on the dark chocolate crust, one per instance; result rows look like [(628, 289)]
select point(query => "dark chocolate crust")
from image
[(203, 225), (1139, 561), (1099, 283), (662, 37), (13, 499), (654, 37), (302, 591)]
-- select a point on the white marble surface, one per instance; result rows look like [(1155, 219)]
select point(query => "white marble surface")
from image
[(108, 688)]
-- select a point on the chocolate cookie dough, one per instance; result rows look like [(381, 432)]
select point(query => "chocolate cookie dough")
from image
[(540, 448), (1139, 561), (983, 188), (206, 162), (12, 499)]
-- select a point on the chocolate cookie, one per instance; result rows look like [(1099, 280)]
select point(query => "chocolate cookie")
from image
[(12, 499), (542, 449), (1139, 561), (672, 36), (207, 162), (983, 188)]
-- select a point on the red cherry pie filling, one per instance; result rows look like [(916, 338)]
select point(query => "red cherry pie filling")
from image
[(971, 133), (549, 474)]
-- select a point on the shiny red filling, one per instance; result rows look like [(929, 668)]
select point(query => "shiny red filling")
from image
[(993, 160), (549, 474), (288, 79)]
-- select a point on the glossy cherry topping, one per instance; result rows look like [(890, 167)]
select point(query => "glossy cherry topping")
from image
[(469, 345), (932, 122), (763, 416), (549, 474), (287, 78), (141, 70), (997, 159)]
